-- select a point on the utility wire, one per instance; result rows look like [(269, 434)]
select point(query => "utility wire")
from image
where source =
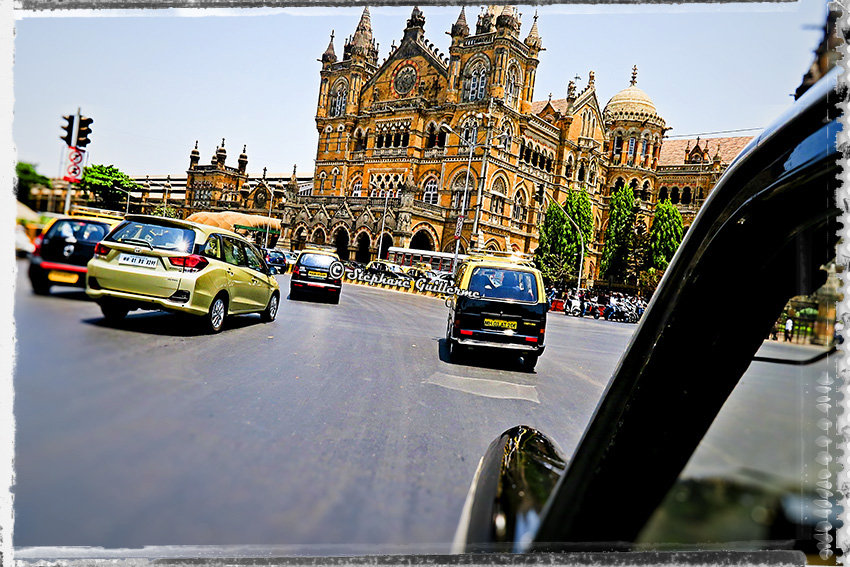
[(718, 132)]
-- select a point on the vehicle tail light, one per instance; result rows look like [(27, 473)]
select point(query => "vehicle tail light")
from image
[(531, 339), (457, 323), (101, 250), (295, 271), (37, 244), (465, 332), (191, 263)]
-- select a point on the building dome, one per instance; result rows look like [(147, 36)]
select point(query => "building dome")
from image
[(630, 100)]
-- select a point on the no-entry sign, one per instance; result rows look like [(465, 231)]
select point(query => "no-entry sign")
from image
[(74, 169)]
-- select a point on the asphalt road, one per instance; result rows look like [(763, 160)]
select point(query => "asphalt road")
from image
[(336, 429), (336, 425)]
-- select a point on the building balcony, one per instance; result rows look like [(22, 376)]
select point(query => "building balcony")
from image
[(389, 152)]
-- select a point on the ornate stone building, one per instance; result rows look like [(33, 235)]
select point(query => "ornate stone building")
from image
[(395, 137)]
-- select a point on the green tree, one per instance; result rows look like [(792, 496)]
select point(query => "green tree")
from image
[(557, 254), (27, 178), (618, 235), (636, 261), (166, 211), (551, 254), (108, 185), (665, 235)]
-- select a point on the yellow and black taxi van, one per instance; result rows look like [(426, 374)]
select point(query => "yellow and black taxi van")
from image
[(499, 303), (317, 271)]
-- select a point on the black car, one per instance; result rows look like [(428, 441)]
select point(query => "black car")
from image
[(766, 233), (275, 258), (498, 305), (62, 252), (311, 275)]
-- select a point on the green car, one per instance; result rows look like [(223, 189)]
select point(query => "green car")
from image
[(149, 262)]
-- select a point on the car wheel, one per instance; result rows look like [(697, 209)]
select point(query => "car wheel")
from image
[(113, 311), (530, 361), (40, 287), (217, 313), (270, 312)]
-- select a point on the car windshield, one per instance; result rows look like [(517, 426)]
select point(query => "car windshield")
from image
[(157, 236), (316, 260), (502, 283), (83, 231)]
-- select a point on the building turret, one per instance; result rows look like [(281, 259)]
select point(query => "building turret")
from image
[(485, 21), (194, 157), (220, 155), (329, 56), (362, 44), (460, 29), (533, 40), (243, 160), (507, 22)]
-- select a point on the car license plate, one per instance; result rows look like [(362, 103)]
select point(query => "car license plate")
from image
[(316, 274), (134, 260), (62, 277), (499, 324)]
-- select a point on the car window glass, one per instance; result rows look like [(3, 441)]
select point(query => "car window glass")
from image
[(755, 476), (212, 248), (500, 283), (316, 260), (233, 253), (158, 236), (83, 231), (254, 261)]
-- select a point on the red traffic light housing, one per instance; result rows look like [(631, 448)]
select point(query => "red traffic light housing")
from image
[(84, 131), (68, 138)]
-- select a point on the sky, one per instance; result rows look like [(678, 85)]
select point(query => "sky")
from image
[(156, 81)]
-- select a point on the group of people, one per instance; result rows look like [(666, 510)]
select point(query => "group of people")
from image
[(611, 305)]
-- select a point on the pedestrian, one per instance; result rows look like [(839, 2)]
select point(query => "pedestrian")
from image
[(581, 304), (789, 326)]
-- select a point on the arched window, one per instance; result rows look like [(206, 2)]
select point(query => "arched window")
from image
[(662, 195), (618, 145), (431, 139), (338, 99), (328, 142), (632, 143), (633, 185), (470, 132), (520, 210), (497, 199), (322, 182), (335, 174), (476, 83), (506, 136), (686, 196), (512, 87), (569, 172), (431, 195), (357, 187), (581, 172), (674, 195), (459, 187), (644, 194)]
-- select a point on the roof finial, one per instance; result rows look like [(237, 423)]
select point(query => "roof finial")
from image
[(550, 97), (222, 142), (264, 173), (634, 75)]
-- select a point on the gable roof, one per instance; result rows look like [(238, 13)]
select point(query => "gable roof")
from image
[(673, 151)]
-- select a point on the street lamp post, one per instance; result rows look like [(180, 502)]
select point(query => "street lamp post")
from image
[(461, 218), (383, 218)]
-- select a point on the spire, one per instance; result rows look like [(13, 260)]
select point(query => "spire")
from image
[(533, 39), (460, 27), (634, 75), (362, 43), (329, 56)]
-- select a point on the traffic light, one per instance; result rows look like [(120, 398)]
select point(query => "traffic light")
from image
[(84, 131), (69, 130), (541, 192)]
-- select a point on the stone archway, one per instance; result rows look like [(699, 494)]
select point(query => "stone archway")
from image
[(363, 255), (319, 236), (341, 241), (386, 242), (422, 241), (299, 239)]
